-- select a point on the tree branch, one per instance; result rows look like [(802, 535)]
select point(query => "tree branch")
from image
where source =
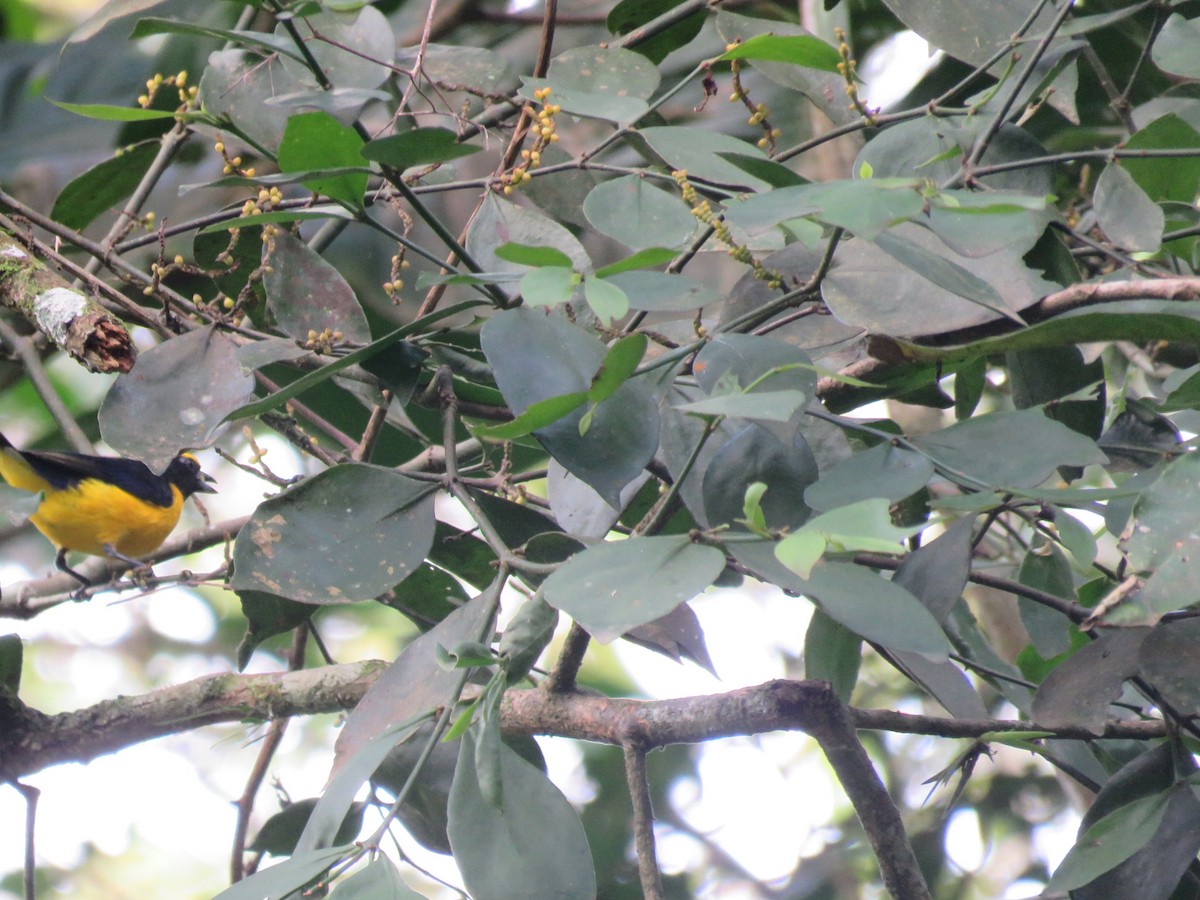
[(31, 740)]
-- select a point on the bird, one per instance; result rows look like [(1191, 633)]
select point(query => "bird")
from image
[(102, 505)]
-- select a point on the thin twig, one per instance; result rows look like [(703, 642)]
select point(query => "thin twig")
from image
[(29, 868), (31, 362), (266, 752), (997, 121), (643, 821), (570, 658)]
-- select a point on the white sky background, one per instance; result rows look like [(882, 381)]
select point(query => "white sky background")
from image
[(168, 803)]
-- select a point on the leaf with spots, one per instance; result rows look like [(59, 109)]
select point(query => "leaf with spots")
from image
[(176, 397), (348, 534), (308, 294)]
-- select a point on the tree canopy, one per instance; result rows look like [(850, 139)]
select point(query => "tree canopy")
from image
[(574, 313)]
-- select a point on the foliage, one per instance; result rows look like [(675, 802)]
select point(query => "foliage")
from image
[(638, 336)]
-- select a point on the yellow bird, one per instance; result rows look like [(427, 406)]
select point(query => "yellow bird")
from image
[(102, 505)]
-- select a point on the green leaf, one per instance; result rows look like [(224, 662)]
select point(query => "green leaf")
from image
[(1166, 178), (1174, 48), (757, 454), (832, 653), (12, 652), (527, 634), (401, 703), (419, 147), (664, 292), (607, 300), (1008, 449), (752, 508), (858, 598), (114, 113), (279, 834), (1045, 568), (535, 356), (322, 211), (945, 273), (865, 525), (797, 50), (526, 255), (764, 406), (316, 140), (801, 551), (1128, 216), (885, 470), (289, 875), (378, 881), (347, 534), (643, 259), (614, 586), (876, 608), (103, 187), (308, 294), (631, 210), (621, 361), (697, 150), (549, 286), (629, 15), (1109, 842), (601, 82), (537, 415), (532, 846), (758, 365), (267, 43), (266, 616), (866, 208), (975, 223), (196, 375)]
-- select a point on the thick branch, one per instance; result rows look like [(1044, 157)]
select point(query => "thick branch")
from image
[(889, 354), (31, 740)]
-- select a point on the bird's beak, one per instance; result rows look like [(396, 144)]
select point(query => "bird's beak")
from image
[(203, 486)]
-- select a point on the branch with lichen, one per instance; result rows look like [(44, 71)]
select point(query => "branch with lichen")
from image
[(69, 318)]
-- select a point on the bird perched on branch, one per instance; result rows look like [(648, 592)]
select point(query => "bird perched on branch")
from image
[(102, 505)]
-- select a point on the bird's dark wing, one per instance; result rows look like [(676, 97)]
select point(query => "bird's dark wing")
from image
[(65, 470)]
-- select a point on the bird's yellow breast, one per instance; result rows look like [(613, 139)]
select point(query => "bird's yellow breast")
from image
[(92, 514)]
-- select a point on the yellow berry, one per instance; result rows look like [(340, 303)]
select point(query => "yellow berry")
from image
[(228, 303), (220, 147), (178, 260)]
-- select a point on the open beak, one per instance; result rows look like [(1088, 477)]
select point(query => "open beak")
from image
[(202, 487)]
